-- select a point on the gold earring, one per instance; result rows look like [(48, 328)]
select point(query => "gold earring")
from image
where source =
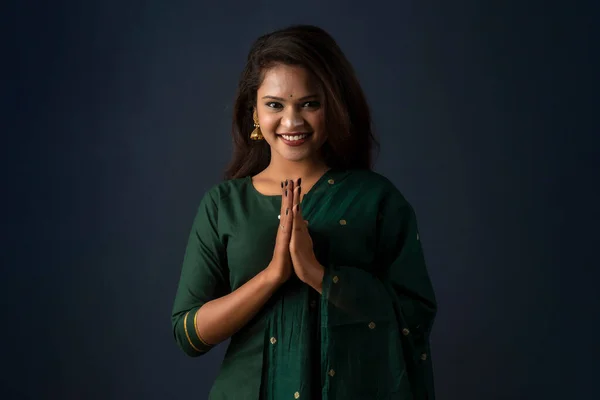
[(256, 133)]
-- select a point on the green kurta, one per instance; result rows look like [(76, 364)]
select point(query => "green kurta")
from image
[(365, 337)]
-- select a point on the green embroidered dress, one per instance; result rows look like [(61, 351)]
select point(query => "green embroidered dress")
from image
[(365, 338)]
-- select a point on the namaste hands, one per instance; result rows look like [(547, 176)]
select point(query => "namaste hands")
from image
[(294, 246)]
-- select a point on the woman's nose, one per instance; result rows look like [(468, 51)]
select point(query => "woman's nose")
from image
[(292, 119)]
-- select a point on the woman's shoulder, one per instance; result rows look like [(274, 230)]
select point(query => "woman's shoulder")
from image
[(373, 181), (383, 189), (229, 189), (371, 176)]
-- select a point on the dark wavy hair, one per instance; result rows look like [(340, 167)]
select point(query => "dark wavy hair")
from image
[(348, 124)]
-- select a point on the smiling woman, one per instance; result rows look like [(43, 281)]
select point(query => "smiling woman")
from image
[(294, 78), (292, 125), (309, 261)]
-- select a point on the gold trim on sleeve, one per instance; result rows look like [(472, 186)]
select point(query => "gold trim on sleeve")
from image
[(198, 333), (187, 334)]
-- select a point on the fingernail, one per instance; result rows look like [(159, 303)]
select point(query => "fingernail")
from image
[(282, 184), (286, 211), (299, 181), (286, 182), (299, 189), (285, 192)]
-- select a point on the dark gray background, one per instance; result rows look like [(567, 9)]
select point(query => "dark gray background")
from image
[(116, 120)]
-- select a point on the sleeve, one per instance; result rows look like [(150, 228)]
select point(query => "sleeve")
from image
[(203, 277), (396, 295)]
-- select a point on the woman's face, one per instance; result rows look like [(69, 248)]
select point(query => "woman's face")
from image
[(290, 113)]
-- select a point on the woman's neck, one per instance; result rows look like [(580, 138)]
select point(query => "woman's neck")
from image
[(284, 169)]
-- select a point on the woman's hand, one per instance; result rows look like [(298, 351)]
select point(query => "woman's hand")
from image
[(304, 261), (281, 264)]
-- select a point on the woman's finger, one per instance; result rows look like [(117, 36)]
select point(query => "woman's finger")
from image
[(285, 222), (284, 198), (289, 199), (297, 206), (282, 210), (297, 190)]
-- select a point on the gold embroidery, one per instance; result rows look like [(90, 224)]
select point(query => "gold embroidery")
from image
[(198, 333), (187, 334)]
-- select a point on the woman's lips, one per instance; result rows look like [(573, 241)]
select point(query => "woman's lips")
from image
[(295, 138)]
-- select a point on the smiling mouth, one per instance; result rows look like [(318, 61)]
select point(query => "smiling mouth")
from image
[(294, 136)]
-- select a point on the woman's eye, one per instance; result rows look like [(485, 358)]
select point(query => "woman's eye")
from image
[(273, 104), (312, 104)]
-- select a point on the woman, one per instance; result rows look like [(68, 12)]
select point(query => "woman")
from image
[(310, 262)]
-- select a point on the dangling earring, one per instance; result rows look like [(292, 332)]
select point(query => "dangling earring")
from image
[(256, 133)]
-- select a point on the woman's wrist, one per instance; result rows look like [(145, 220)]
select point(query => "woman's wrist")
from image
[(313, 276), (274, 276)]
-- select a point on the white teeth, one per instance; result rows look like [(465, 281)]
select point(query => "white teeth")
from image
[(295, 137)]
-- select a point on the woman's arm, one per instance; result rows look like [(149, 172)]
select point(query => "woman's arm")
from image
[(392, 303), (206, 312), (219, 319)]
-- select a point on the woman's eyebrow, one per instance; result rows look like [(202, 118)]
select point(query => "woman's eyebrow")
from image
[(282, 99)]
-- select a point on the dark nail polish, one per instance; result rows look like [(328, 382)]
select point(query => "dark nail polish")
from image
[(282, 184), (286, 182), (285, 192), (286, 211), (299, 181)]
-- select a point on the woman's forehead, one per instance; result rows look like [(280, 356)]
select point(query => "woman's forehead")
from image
[(288, 81)]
